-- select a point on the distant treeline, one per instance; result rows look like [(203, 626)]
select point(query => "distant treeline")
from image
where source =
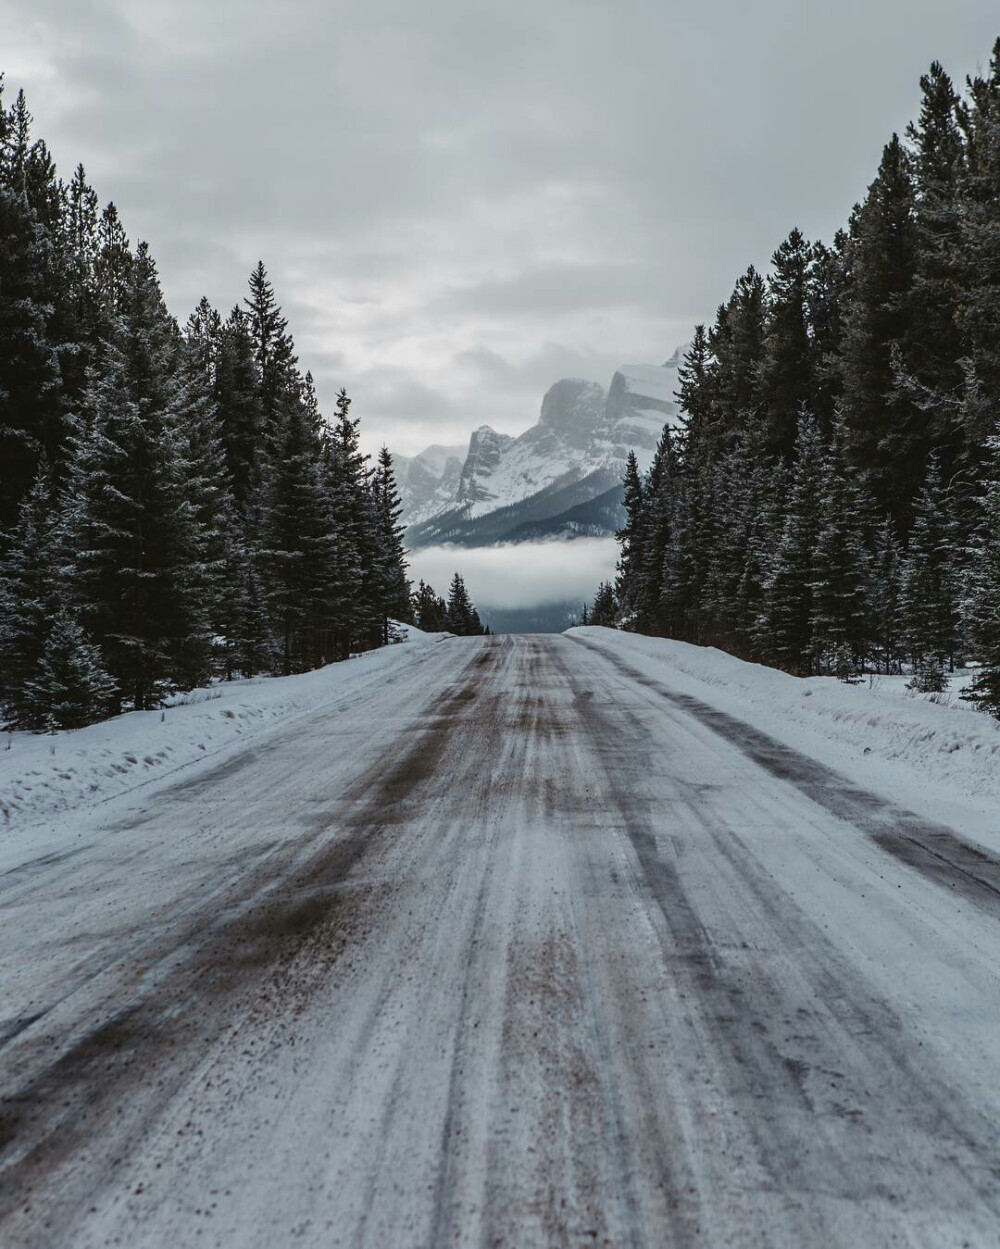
[(456, 615), (173, 506), (833, 499)]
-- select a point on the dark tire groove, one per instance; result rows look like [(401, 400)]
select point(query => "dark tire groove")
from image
[(937, 852)]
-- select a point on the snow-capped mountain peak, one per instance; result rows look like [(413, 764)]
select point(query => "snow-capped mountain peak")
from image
[(486, 451), (573, 456)]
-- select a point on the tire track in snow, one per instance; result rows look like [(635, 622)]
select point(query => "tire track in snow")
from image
[(839, 1101), (111, 1081), (556, 999), (935, 851)]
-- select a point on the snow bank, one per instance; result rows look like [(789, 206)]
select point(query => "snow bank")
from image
[(43, 775), (935, 748), (410, 633)]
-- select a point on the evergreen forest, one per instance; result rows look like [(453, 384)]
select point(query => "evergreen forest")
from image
[(830, 501), (173, 506), (457, 614)]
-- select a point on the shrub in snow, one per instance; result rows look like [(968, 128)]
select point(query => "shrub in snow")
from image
[(984, 691), (928, 676), (841, 662), (72, 689)]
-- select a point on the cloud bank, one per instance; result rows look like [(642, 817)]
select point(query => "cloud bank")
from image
[(529, 575)]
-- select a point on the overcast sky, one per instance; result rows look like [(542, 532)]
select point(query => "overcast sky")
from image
[(460, 202)]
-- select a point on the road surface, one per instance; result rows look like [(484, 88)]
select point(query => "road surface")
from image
[(517, 949)]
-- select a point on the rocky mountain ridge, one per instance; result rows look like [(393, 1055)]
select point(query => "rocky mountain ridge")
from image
[(560, 478)]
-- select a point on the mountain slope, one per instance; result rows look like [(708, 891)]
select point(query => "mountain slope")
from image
[(457, 527), (594, 518), (557, 478), (428, 481)]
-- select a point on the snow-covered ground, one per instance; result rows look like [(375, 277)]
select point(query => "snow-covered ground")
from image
[(524, 941), (45, 775), (937, 750)]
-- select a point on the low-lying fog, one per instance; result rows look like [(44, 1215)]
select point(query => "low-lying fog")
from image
[(531, 574)]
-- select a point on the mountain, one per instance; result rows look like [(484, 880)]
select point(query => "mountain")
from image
[(428, 482), (561, 478)]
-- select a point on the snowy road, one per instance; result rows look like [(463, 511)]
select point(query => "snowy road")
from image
[(521, 947)]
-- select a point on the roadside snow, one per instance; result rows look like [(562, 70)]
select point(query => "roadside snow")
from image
[(935, 749), (410, 633), (44, 775)]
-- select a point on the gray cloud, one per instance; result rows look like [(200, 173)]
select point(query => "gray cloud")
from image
[(560, 287), (459, 201)]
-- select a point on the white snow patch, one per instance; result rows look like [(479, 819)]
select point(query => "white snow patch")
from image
[(521, 473), (932, 748), (651, 380), (42, 775)]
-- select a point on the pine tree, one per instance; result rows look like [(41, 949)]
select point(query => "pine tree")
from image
[(16, 143), (248, 640), (731, 507), (430, 612), (394, 587), (75, 327), (354, 615), (981, 595), (657, 510), (80, 229), (629, 583), (295, 543), (43, 189), (147, 338), (888, 431), (209, 567), (928, 676), (241, 416), (29, 594), (785, 627), (938, 159), (604, 612), (749, 592), (112, 267), (839, 610), (684, 558), (130, 527), (30, 379), (786, 367), (931, 575), (826, 300), (978, 256), (462, 617), (702, 438), (71, 688), (274, 354), (737, 343), (885, 598)]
